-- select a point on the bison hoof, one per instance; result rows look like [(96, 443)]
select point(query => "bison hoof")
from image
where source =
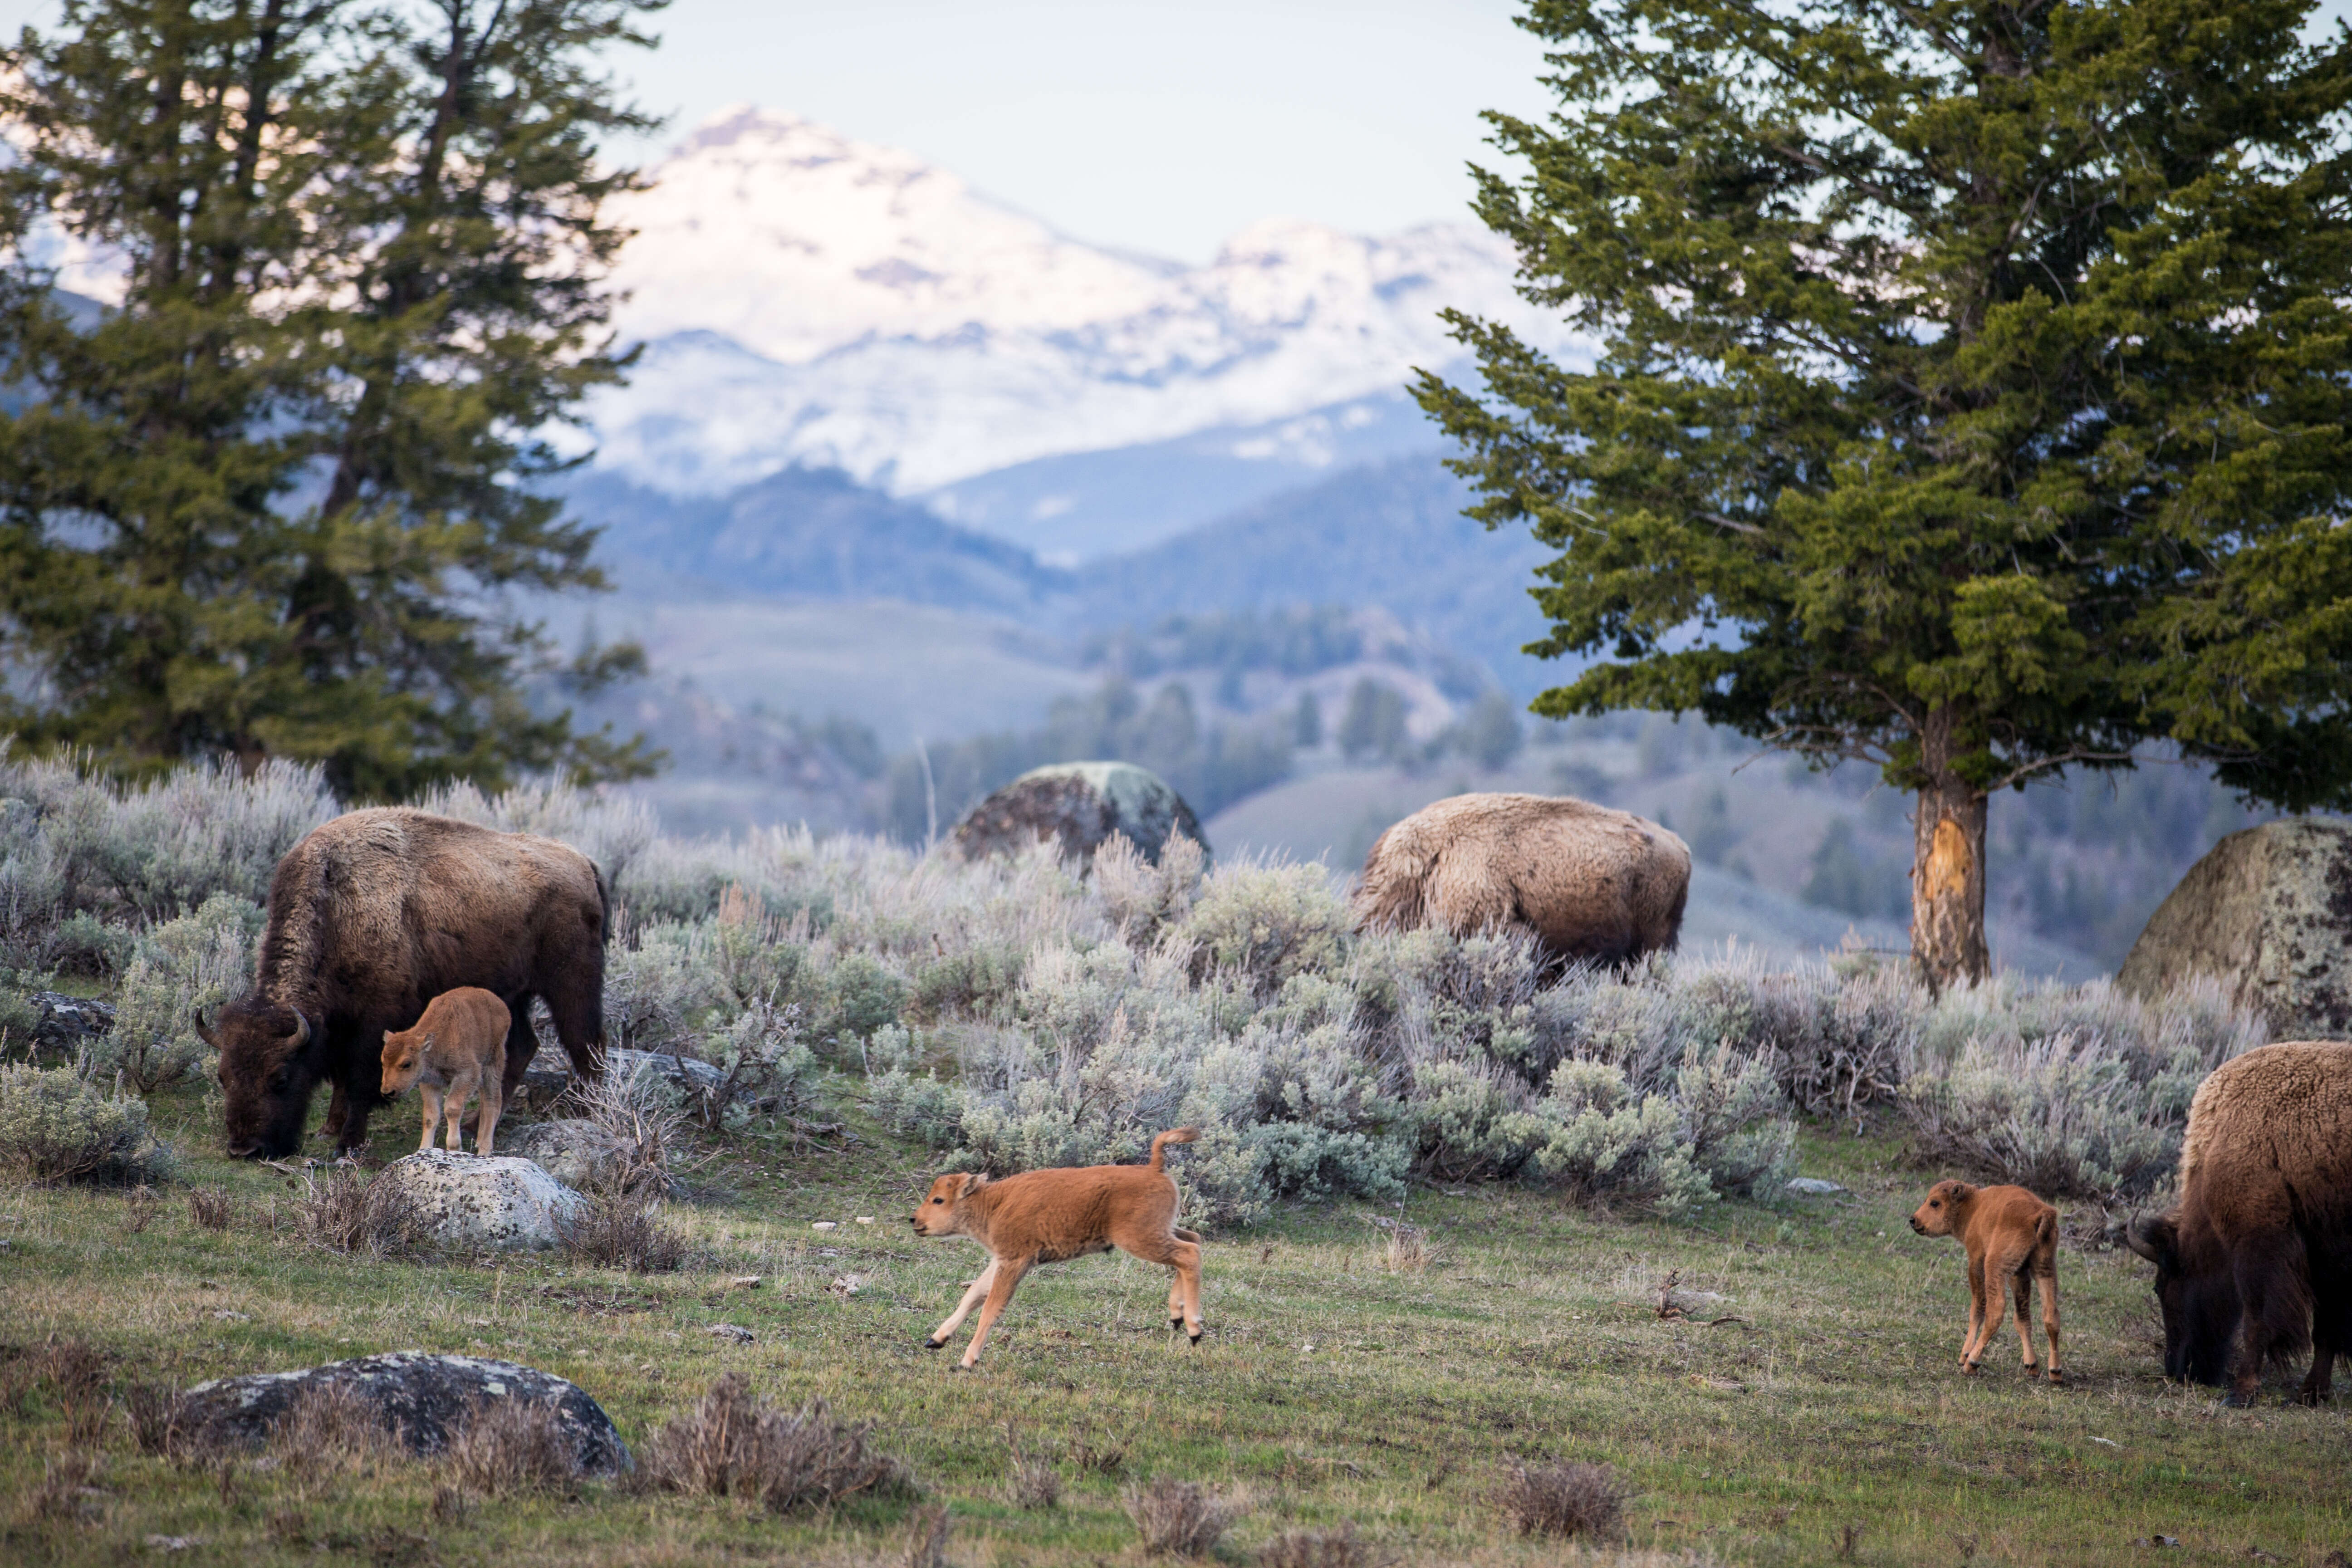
[(1967, 1369), (2238, 1399), (2056, 1377), (1175, 1322), (935, 1344)]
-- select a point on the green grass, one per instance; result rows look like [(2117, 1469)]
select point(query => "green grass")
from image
[(1836, 1406)]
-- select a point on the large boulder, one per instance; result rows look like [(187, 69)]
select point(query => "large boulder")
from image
[(462, 1203), (423, 1400), (1078, 805), (2268, 912), (67, 1023)]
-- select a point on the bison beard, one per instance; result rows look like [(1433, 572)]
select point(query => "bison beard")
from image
[(2255, 1261), (371, 917)]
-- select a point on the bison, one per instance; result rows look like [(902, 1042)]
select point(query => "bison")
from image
[(1586, 882), (2255, 1260), (372, 916)]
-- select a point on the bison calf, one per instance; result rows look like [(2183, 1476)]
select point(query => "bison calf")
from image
[(459, 1049), (1045, 1216), (2011, 1238)]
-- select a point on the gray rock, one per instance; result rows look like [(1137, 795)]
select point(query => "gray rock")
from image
[(1079, 805), (65, 1022), (1813, 1186), (2267, 913), (575, 1153), (462, 1203), (423, 1400), (545, 1081)]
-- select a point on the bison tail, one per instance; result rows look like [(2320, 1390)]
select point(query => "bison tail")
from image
[(1173, 1135), (1391, 893)]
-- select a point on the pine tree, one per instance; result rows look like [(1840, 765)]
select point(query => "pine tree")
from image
[(280, 497), (1972, 398)]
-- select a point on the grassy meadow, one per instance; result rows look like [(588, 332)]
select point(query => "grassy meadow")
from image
[(1341, 1380)]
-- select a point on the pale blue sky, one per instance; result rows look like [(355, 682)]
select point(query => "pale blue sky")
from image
[(1161, 127), (1158, 127)]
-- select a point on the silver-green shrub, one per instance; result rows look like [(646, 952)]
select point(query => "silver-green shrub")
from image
[(186, 965), (56, 1127)]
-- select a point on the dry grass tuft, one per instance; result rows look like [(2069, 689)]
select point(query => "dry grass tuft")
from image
[(334, 1213), (451, 1505), (1407, 1250), (139, 1206), (510, 1447), (1035, 1482), (735, 1444), (1569, 1499), (617, 1228), (331, 1428), (1339, 1548), (209, 1209), (157, 1423), (927, 1538), (69, 1491), (1179, 1518)]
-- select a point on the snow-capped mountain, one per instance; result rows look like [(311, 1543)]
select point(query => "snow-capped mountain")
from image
[(807, 298)]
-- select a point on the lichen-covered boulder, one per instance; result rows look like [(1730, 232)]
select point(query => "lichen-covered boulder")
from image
[(2267, 913), (1078, 805), (576, 1153), (423, 1400), (462, 1203)]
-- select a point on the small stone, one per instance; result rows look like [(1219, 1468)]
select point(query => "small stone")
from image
[(1813, 1186), (825, 1225), (865, 1219), (745, 1282), (226, 1316), (174, 1542), (846, 1284), (731, 1332)]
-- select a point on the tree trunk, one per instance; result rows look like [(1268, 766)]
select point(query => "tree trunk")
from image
[(1947, 872)]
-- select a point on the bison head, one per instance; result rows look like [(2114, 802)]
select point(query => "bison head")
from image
[(2196, 1293), (941, 1212), (271, 1061)]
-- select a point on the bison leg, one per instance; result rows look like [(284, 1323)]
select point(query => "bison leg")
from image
[(1007, 1273), (523, 1043), (576, 1005), (971, 1296), (493, 1104), (2021, 1291), (2050, 1320), (1978, 1316), (338, 1106), (2274, 1275), (432, 1098)]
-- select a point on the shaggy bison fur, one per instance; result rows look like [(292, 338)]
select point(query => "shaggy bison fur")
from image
[(2255, 1260), (1586, 882), (372, 916)]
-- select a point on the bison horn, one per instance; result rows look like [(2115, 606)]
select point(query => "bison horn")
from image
[(301, 1032), (204, 1031), (2150, 1236)]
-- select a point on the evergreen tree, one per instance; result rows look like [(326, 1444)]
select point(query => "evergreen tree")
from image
[(1972, 398), (280, 497)]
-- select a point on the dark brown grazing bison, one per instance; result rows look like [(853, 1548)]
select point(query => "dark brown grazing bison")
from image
[(371, 917), (1588, 883), (2255, 1261)]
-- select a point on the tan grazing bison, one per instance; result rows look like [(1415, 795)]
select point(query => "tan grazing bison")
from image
[(371, 917), (2255, 1261), (1588, 883)]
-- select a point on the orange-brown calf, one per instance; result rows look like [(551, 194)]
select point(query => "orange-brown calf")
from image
[(1045, 1216), (2011, 1238), (457, 1049)]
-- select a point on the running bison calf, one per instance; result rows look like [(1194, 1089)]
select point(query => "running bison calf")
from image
[(2011, 1238), (1045, 1216), (457, 1051), (2255, 1261)]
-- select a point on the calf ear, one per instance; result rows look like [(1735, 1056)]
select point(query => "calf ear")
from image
[(2152, 1236), (972, 1183)]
